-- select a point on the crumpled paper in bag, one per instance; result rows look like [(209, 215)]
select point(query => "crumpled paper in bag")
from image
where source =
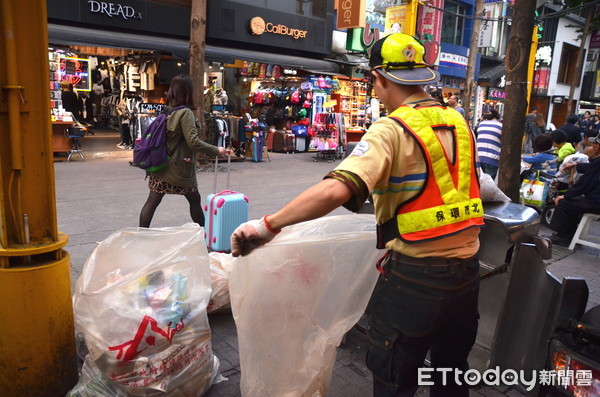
[(295, 298), (140, 304)]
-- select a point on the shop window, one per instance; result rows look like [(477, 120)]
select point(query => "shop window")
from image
[(568, 63), (453, 26)]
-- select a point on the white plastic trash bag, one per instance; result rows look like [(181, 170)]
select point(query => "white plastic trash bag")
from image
[(488, 190), (93, 384), (220, 271), (140, 304), (295, 298)]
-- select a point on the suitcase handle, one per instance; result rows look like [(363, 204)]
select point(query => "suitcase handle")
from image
[(214, 190)]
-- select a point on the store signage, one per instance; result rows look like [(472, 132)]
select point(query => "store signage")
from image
[(541, 80), (151, 107), (77, 72), (595, 39), (395, 18), (362, 39), (454, 59), (558, 99), (489, 31), (429, 29), (114, 10), (496, 94), (258, 26), (351, 14)]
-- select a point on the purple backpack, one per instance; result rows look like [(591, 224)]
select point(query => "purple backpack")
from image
[(150, 153)]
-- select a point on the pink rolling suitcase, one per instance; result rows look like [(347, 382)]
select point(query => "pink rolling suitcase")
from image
[(223, 212)]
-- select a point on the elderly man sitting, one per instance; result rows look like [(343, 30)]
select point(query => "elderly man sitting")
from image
[(582, 197)]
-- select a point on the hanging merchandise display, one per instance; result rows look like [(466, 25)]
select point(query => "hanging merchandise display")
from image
[(330, 136), (351, 100)]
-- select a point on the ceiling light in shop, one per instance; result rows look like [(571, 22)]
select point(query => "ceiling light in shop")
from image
[(210, 65), (221, 67)]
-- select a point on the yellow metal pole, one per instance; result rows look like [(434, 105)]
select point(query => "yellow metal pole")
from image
[(531, 70), (410, 19), (37, 343)]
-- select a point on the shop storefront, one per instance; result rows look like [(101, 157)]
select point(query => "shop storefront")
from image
[(124, 69)]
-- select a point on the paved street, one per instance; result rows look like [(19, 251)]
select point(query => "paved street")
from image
[(104, 194)]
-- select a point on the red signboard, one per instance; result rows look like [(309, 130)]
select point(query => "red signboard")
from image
[(595, 39), (541, 79), (429, 29)]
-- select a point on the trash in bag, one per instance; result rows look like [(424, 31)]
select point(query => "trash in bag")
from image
[(295, 298), (140, 304), (93, 384), (220, 271), (488, 191)]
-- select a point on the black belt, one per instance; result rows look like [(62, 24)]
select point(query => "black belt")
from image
[(432, 261)]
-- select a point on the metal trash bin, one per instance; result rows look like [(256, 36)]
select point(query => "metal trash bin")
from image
[(506, 224), (520, 301)]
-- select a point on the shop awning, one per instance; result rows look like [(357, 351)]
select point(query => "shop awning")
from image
[(491, 73), (74, 35)]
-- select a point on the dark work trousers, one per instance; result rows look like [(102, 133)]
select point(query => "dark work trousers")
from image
[(568, 212), (415, 308)]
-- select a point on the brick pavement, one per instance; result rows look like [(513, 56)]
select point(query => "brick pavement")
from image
[(104, 194)]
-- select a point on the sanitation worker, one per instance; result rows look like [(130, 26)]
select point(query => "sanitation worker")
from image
[(420, 165)]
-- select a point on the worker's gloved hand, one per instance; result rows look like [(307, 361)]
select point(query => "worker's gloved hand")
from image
[(250, 235)]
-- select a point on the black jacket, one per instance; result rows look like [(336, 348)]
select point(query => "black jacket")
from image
[(70, 103), (588, 184)]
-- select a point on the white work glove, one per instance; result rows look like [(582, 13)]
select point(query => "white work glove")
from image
[(250, 235)]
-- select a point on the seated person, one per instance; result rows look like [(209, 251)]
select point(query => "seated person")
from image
[(588, 140), (544, 158), (563, 148), (582, 197), (569, 165), (566, 172), (572, 130)]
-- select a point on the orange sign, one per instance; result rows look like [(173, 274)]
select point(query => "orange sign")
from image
[(351, 14)]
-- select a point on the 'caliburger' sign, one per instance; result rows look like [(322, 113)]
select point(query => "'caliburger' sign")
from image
[(258, 26)]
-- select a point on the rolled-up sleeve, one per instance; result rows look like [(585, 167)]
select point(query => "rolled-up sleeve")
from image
[(356, 185)]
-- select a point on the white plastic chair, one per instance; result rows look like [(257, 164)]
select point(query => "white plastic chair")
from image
[(581, 236)]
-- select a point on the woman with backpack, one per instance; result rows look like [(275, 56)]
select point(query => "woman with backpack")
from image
[(179, 176)]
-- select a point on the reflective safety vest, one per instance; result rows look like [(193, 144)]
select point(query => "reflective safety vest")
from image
[(448, 202)]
